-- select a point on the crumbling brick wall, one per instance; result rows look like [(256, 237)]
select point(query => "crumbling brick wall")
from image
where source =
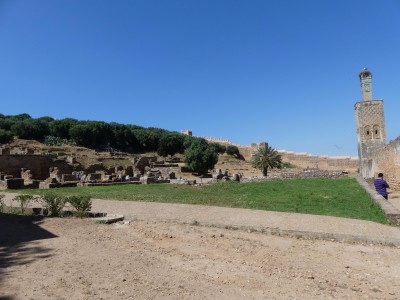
[(305, 160), (39, 165), (387, 161)]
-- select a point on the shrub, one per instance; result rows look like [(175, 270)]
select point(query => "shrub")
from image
[(31, 129), (53, 203), (5, 136), (24, 201), (232, 150), (170, 144), (287, 165), (200, 157), (57, 141), (81, 204), (219, 148)]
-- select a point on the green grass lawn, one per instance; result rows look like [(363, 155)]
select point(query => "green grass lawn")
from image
[(332, 197)]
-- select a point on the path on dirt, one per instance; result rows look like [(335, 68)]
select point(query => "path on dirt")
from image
[(278, 223), (156, 256)]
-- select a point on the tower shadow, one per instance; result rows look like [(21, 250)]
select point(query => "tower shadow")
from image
[(17, 247)]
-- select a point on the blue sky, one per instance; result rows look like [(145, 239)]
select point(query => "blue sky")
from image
[(285, 72)]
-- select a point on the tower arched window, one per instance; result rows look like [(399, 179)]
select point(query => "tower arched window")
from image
[(376, 132), (367, 133)]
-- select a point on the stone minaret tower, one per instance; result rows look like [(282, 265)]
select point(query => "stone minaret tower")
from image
[(370, 123)]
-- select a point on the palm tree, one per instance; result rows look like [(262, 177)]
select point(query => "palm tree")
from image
[(266, 158)]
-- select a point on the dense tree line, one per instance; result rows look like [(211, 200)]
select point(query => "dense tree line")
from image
[(200, 154)]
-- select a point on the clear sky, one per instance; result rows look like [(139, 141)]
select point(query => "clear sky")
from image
[(284, 72)]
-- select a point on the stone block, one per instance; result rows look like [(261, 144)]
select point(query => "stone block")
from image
[(148, 180), (185, 169), (71, 160), (235, 177), (15, 183), (129, 171), (35, 184), (93, 176), (217, 176), (107, 177), (4, 151), (68, 177)]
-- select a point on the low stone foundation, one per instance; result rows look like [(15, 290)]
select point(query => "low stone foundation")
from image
[(391, 212), (15, 183)]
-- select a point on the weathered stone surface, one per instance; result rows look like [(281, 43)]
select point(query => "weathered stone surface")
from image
[(129, 171), (68, 177), (118, 168), (391, 212), (39, 165), (108, 219), (15, 183), (4, 151), (371, 133), (71, 160), (95, 168), (55, 173), (147, 180), (26, 175), (93, 176), (185, 169), (143, 162), (235, 177), (218, 176)]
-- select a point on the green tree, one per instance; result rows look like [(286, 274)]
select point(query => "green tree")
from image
[(149, 138), (60, 128), (5, 136), (21, 117), (232, 150), (266, 158), (82, 135), (170, 144), (219, 148), (200, 157), (123, 137), (31, 129)]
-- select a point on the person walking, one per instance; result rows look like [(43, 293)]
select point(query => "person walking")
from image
[(381, 185)]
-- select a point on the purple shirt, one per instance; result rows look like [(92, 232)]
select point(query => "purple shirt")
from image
[(380, 186)]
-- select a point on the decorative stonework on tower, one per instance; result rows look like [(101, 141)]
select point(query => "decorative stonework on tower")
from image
[(366, 84), (370, 123)]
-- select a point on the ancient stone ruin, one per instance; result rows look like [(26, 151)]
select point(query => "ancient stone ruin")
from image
[(374, 154)]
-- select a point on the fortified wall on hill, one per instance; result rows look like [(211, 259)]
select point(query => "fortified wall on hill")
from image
[(299, 160), (306, 160)]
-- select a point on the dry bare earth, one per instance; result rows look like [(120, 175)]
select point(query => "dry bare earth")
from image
[(78, 259)]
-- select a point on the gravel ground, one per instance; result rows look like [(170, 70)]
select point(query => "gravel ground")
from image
[(289, 224), (165, 252), (79, 259)]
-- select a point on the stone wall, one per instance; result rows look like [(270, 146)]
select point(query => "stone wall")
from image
[(312, 173), (308, 161), (387, 161), (324, 162), (299, 160), (38, 165)]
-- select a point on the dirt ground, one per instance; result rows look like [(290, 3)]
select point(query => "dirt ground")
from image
[(80, 259)]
